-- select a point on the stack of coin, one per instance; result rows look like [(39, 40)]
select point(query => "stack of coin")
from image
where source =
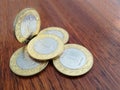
[(48, 44)]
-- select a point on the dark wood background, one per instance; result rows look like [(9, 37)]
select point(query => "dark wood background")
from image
[(94, 24)]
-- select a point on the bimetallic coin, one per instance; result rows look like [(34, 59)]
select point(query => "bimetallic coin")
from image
[(22, 64), (17, 16), (60, 32), (75, 60), (26, 24), (45, 47)]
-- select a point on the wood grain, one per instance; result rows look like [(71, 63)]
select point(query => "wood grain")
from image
[(94, 24)]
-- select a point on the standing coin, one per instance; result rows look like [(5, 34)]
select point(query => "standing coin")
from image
[(75, 60), (22, 64), (27, 24), (60, 32), (45, 47)]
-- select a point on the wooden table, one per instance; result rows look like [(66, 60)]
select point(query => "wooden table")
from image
[(94, 24)]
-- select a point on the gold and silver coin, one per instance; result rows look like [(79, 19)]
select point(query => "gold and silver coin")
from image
[(22, 64), (75, 60), (60, 32), (44, 47), (27, 24)]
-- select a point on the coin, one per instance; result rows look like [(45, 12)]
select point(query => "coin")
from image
[(44, 47), (26, 24), (75, 60), (16, 18), (60, 32), (22, 64)]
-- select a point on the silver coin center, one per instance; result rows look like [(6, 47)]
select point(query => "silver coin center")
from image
[(55, 32), (73, 58), (28, 25), (25, 62), (45, 46)]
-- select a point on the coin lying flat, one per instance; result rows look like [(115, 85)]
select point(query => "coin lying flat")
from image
[(45, 47), (22, 64), (26, 24), (75, 60), (60, 32)]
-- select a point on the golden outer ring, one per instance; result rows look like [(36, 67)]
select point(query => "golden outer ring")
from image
[(38, 56), (28, 72), (75, 72), (19, 18), (63, 31)]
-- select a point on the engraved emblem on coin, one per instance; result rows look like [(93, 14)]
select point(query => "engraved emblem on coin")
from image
[(28, 25), (73, 58), (25, 62), (45, 46)]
